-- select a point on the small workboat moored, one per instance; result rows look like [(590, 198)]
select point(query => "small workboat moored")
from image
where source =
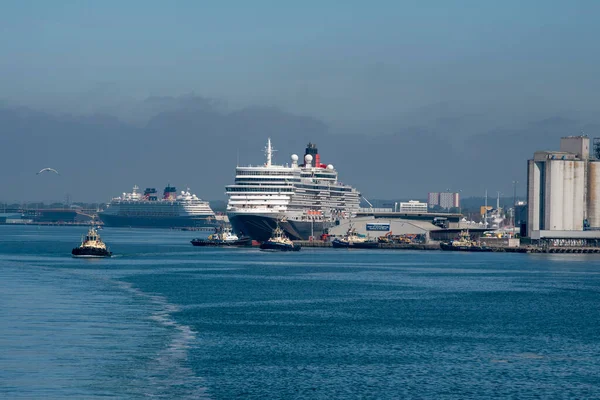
[(464, 243), (223, 237), (353, 241), (279, 242)]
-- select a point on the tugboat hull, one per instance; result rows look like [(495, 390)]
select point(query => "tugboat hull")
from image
[(339, 244), (271, 246), (79, 252), (222, 243), (473, 249)]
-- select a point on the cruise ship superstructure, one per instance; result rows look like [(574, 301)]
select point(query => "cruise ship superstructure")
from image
[(148, 210), (305, 199)]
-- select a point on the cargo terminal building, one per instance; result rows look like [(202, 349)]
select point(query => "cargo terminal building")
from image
[(378, 224), (563, 192)]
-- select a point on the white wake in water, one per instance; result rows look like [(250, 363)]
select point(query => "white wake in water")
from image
[(168, 372)]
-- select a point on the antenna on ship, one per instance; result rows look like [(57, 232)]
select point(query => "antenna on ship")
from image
[(269, 151), (498, 202), (485, 212)]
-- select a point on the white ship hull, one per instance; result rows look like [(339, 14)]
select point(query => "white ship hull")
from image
[(157, 222)]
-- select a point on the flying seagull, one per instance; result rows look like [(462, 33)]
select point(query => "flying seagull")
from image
[(48, 170)]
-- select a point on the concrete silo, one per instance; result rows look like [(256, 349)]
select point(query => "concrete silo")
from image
[(554, 207), (579, 198), (593, 194), (568, 192), (561, 192)]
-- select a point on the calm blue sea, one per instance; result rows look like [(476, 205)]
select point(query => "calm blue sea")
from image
[(163, 319)]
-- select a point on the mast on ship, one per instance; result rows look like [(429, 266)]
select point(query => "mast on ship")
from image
[(486, 210), (269, 151)]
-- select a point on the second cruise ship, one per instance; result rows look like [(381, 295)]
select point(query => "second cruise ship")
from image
[(304, 199), (148, 210)]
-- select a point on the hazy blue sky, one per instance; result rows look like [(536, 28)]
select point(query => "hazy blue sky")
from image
[(337, 60), (475, 86)]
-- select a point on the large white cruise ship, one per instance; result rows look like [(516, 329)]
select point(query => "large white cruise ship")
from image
[(305, 199), (172, 210)]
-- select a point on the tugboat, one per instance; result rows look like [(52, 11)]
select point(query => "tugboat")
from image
[(353, 241), (464, 243), (279, 242), (91, 246), (223, 237)]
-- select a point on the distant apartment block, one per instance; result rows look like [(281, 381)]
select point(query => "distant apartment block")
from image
[(433, 199), (413, 206), (444, 199)]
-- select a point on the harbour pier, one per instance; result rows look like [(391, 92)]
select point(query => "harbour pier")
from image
[(391, 246)]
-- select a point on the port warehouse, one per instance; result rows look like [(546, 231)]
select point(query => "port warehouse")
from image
[(46, 215), (6, 218), (379, 223)]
